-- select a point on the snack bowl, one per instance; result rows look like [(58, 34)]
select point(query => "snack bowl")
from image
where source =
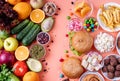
[(50, 8), (43, 38), (104, 42), (117, 43), (102, 25), (93, 76), (90, 24), (79, 5), (92, 61), (75, 24), (37, 51), (109, 65)]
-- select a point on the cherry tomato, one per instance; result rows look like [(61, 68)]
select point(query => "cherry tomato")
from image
[(20, 68)]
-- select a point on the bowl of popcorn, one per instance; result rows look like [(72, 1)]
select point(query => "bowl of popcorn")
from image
[(92, 61), (104, 42)]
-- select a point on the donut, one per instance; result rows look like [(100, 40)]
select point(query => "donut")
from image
[(82, 41)]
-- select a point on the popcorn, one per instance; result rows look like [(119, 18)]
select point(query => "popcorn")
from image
[(104, 42)]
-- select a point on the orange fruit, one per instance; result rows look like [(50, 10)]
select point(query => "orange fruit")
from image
[(22, 53), (31, 76), (13, 2), (37, 15), (23, 9)]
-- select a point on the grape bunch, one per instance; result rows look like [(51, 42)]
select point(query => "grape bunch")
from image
[(8, 17)]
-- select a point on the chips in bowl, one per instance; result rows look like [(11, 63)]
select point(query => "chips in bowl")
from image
[(108, 17)]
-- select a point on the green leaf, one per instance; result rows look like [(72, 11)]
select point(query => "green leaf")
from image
[(3, 34)]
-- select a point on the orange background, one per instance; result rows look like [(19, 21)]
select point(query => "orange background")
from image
[(61, 42)]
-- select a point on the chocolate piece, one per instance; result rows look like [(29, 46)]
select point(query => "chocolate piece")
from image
[(112, 57), (110, 68), (118, 67), (104, 69), (106, 62), (110, 75), (118, 60), (113, 60), (117, 73)]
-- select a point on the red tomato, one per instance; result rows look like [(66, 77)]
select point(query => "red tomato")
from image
[(20, 68)]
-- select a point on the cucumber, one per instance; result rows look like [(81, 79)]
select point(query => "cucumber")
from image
[(24, 32), (19, 27), (29, 38)]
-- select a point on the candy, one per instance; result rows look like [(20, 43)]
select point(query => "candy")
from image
[(61, 75), (75, 25), (104, 42), (90, 24), (92, 61)]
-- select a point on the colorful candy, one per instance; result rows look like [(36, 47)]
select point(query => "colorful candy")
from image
[(75, 25), (90, 24)]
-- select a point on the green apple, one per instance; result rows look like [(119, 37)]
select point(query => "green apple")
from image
[(1, 43), (10, 44)]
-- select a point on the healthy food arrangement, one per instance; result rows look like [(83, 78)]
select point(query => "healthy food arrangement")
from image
[(24, 32), (89, 62)]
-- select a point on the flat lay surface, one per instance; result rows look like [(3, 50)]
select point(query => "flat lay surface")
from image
[(63, 40)]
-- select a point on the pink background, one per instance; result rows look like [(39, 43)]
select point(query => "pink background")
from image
[(61, 42)]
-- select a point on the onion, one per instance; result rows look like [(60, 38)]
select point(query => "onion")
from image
[(7, 58)]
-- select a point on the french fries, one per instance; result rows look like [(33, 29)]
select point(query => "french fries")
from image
[(110, 16)]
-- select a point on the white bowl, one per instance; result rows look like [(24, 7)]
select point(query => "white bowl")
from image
[(103, 26), (46, 42), (90, 4), (114, 42), (118, 49), (96, 73), (104, 73)]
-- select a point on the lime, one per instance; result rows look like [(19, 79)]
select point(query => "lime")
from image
[(34, 65), (1, 43)]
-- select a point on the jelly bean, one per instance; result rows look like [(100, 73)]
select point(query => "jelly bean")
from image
[(87, 24), (96, 23), (61, 75), (88, 29), (85, 27), (92, 30), (86, 21), (92, 25)]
